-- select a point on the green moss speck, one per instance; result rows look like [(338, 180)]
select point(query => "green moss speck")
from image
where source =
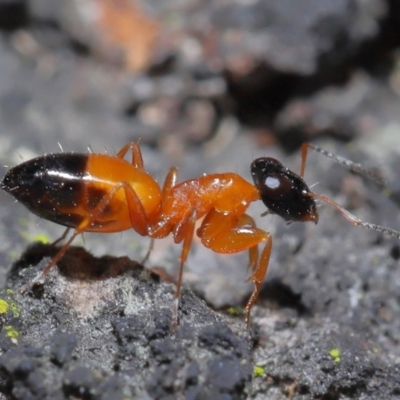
[(335, 354), (3, 306), (258, 371), (11, 332)]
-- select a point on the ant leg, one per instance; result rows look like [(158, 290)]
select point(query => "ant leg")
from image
[(246, 220), (137, 216), (161, 228), (61, 238), (355, 220), (265, 213), (213, 229), (28, 285), (304, 151), (238, 234), (149, 250), (137, 159), (184, 232), (258, 276), (169, 183), (51, 264)]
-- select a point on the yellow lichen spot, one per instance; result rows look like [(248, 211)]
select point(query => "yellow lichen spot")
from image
[(234, 311), (9, 291), (14, 309), (3, 306), (11, 332), (335, 354), (40, 237), (258, 371)]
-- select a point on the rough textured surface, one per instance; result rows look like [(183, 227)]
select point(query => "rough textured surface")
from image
[(112, 337), (326, 325)]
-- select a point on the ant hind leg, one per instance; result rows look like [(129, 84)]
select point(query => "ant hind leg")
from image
[(52, 263), (137, 215), (61, 238)]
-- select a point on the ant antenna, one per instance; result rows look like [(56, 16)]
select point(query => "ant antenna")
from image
[(355, 220), (357, 168), (352, 166)]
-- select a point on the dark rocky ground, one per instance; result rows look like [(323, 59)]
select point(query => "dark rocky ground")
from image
[(207, 86)]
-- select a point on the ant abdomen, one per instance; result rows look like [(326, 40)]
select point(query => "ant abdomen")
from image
[(48, 185)]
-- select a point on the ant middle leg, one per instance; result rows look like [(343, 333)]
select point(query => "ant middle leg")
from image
[(160, 226), (184, 233)]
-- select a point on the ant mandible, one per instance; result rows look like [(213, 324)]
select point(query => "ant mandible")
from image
[(104, 193)]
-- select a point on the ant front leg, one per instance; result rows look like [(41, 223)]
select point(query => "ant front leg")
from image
[(137, 217), (233, 234), (304, 152), (137, 158)]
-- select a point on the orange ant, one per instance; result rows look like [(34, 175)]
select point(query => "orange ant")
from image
[(104, 193)]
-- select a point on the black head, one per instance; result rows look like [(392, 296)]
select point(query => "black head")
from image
[(282, 191)]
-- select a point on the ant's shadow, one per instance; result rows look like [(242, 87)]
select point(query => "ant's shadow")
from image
[(77, 263), (277, 292)]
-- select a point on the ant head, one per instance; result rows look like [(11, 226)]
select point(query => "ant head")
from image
[(282, 191)]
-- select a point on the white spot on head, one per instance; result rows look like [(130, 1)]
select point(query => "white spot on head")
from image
[(272, 183)]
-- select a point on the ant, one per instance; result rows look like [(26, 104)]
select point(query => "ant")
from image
[(105, 193)]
